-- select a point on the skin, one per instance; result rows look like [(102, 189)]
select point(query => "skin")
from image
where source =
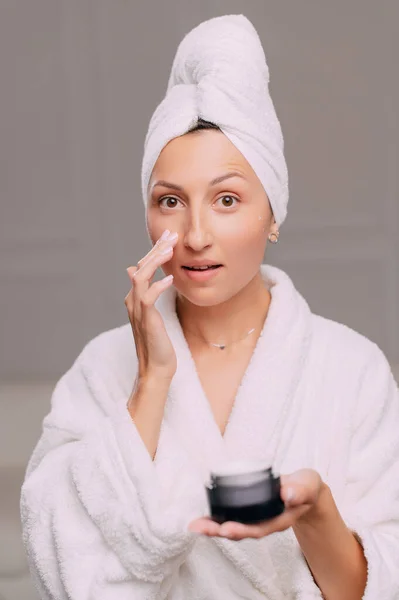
[(211, 225)]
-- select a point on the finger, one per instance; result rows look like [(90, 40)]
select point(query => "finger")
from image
[(211, 529), (129, 299), (282, 522), (163, 242), (130, 272), (300, 487), (238, 531), (129, 296), (144, 276), (294, 488), (206, 526), (301, 476), (149, 253), (161, 256), (155, 290)]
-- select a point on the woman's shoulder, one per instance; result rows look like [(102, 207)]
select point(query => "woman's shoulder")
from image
[(343, 345), (339, 333), (111, 351), (117, 338), (352, 368)]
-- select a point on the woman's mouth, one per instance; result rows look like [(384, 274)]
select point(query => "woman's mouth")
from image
[(202, 273), (202, 268)]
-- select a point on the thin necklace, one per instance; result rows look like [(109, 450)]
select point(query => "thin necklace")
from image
[(223, 346)]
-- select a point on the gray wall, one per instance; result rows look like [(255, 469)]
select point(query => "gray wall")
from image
[(79, 81)]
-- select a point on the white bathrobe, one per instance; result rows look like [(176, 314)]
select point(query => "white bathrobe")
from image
[(102, 521)]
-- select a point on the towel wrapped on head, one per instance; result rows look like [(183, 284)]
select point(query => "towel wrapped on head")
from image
[(220, 75)]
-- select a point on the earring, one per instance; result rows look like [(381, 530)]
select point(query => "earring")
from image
[(273, 237)]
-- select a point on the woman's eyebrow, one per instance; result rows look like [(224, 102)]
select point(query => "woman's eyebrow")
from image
[(226, 176), (178, 188), (166, 184)]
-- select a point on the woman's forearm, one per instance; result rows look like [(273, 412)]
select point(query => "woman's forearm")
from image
[(146, 407), (334, 556)]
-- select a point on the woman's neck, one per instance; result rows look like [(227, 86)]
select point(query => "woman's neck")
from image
[(229, 321)]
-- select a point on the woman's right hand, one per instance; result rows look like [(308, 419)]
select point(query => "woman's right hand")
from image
[(155, 352)]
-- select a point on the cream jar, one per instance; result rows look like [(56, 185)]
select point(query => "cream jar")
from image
[(247, 492)]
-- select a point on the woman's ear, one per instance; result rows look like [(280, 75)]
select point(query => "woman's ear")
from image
[(273, 227)]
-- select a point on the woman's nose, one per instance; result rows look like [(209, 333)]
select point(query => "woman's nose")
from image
[(197, 233)]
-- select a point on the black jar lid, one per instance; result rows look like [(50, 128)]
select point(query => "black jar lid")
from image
[(240, 473)]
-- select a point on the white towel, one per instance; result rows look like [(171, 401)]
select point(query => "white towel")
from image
[(220, 74)]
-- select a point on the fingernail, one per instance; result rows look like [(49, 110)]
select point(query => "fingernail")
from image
[(165, 234), (289, 495), (166, 250), (172, 236)]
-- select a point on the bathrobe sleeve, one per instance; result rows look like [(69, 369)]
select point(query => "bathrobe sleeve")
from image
[(371, 507), (98, 522)]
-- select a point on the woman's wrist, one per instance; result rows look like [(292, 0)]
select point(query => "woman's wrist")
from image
[(146, 407), (333, 554), (149, 386)]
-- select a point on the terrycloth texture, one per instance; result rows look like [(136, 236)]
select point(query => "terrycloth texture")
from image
[(101, 521), (220, 74)]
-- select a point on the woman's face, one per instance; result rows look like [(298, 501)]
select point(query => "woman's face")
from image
[(205, 190)]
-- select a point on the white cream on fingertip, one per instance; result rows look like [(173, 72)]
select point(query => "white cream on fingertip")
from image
[(165, 235)]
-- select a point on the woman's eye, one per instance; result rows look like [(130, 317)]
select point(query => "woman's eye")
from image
[(228, 201), (170, 202)]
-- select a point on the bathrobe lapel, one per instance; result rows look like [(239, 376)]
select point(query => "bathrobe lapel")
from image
[(266, 394), (267, 390), (187, 410), (256, 428)]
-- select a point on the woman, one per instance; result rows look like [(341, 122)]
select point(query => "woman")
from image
[(226, 362)]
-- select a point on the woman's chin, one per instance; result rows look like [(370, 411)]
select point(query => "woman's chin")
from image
[(201, 296)]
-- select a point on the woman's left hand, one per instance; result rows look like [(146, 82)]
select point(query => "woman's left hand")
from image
[(300, 493)]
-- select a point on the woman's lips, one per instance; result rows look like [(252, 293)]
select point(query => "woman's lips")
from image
[(203, 275)]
